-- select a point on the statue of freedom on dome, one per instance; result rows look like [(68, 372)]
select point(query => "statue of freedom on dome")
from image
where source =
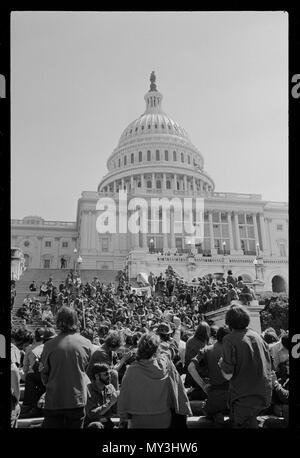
[(153, 79)]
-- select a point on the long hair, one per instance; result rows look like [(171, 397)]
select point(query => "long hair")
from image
[(202, 332), (67, 320), (148, 346)]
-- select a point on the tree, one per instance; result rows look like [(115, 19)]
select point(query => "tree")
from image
[(275, 313)]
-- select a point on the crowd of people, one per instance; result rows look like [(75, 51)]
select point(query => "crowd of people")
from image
[(124, 304), (145, 353)]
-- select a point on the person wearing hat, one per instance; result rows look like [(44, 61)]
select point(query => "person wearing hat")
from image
[(168, 344)]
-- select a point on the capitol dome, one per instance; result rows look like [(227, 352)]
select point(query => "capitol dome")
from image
[(155, 143)]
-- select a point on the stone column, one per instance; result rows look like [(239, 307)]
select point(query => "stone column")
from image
[(142, 181), (269, 236), (211, 233), (40, 239), (172, 233), (56, 261), (230, 232), (255, 229), (185, 182), (175, 182), (122, 183), (237, 233), (114, 186), (164, 181), (131, 182), (264, 248), (153, 181), (194, 184)]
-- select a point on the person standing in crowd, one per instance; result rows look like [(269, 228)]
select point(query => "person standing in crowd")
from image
[(195, 343), (63, 364), (279, 350), (13, 293), (231, 279), (34, 387), (205, 364), (151, 388), (15, 392), (246, 363), (101, 397)]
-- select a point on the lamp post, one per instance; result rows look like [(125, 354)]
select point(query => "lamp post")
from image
[(224, 248), (255, 262), (189, 243), (75, 252), (257, 250), (151, 245), (79, 262)]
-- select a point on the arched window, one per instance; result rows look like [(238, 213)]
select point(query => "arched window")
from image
[(149, 184), (182, 157), (177, 185), (140, 156), (125, 160), (132, 158), (158, 184), (168, 184), (189, 159), (174, 156), (166, 155), (119, 162), (148, 155), (157, 155), (139, 184)]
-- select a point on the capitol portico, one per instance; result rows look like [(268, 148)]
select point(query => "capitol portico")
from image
[(156, 158)]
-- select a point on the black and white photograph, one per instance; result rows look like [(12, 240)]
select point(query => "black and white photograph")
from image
[(149, 221)]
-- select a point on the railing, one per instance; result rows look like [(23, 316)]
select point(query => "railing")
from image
[(250, 253), (44, 223), (231, 195), (224, 252)]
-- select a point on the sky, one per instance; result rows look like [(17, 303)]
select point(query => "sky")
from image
[(79, 78)]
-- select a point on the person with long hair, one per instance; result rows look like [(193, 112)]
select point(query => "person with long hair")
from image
[(63, 364), (152, 389)]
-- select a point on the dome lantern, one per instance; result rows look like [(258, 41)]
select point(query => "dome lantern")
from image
[(153, 97)]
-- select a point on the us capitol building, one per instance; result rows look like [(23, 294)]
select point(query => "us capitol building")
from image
[(156, 158)]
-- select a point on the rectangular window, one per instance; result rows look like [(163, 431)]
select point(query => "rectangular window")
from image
[(47, 244), (225, 231), (251, 244), (279, 227), (217, 230), (178, 242), (241, 218), (282, 250), (250, 230), (105, 245), (249, 219), (215, 217), (224, 217), (46, 263), (243, 232), (65, 244), (166, 155)]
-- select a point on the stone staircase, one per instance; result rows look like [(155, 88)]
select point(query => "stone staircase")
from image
[(59, 276)]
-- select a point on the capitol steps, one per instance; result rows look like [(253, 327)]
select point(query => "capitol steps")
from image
[(59, 276)]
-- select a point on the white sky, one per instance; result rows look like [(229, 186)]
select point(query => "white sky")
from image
[(78, 79)]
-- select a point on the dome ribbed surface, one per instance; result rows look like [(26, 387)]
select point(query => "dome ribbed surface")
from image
[(152, 123)]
